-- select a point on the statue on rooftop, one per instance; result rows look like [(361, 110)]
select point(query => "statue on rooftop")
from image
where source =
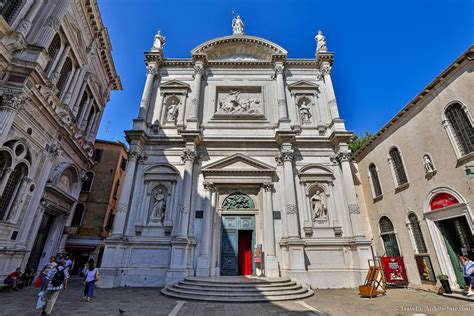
[(158, 42), (321, 42), (237, 25)]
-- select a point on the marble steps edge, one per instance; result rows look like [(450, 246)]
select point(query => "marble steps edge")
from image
[(237, 285), (294, 286), (233, 299), (237, 281), (221, 293)]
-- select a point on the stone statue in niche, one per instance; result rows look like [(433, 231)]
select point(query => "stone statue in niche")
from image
[(237, 25), (318, 206), (172, 111), (305, 112), (159, 204), (430, 170), (234, 103)]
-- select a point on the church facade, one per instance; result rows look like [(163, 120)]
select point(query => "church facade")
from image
[(238, 165)]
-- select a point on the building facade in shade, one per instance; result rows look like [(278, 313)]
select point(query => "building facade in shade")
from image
[(234, 149), (415, 179), (93, 215), (56, 73)]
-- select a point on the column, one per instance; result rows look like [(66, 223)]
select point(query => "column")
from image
[(77, 96), (192, 120), (51, 25), (154, 111), (271, 261), (283, 120), (55, 71), (27, 22), (72, 88), (150, 76), (11, 104), (188, 157), (121, 216), (203, 263), (352, 204), (331, 97)]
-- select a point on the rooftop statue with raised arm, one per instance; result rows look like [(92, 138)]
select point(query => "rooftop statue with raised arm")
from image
[(158, 42), (237, 26), (320, 42)]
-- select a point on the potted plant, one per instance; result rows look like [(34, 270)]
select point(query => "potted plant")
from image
[(443, 278)]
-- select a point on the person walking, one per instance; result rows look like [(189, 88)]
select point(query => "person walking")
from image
[(468, 271), (91, 276), (56, 280), (45, 271)]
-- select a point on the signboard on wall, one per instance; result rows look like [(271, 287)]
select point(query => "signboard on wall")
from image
[(394, 270), (425, 268), (442, 200), (257, 258)]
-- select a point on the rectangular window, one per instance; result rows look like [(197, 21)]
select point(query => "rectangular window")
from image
[(98, 155), (123, 163)]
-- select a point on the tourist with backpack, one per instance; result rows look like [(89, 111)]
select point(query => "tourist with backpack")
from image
[(56, 280), (91, 276)]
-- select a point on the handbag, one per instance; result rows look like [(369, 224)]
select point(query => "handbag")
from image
[(39, 281)]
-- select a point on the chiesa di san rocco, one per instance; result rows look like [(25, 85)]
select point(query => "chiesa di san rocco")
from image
[(234, 149)]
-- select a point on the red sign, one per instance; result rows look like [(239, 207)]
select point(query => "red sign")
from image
[(394, 270), (442, 200)]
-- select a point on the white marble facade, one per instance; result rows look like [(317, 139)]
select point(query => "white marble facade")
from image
[(56, 73), (237, 135)]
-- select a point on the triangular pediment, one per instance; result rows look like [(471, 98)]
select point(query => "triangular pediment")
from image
[(240, 163), (303, 84), (174, 84)]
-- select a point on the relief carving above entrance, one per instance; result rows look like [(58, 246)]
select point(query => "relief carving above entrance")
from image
[(238, 201)]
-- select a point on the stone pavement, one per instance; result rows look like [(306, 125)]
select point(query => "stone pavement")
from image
[(149, 301)]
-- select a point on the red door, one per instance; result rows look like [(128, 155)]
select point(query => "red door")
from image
[(245, 252)]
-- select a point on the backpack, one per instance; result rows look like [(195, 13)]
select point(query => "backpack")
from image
[(58, 278)]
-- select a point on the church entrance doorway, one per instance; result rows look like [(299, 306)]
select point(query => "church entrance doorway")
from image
[(238, 240), (37, 252), (458, 240)]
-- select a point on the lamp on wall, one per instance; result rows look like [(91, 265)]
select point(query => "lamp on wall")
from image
[(469, 171)]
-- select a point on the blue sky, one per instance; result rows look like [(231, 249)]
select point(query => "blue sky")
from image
[(386, 51)]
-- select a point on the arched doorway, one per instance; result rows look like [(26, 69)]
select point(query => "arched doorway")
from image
[(451, 226)]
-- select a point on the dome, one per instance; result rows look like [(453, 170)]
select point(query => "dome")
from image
[(239, 48)]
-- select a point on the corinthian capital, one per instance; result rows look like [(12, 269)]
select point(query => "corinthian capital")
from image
[(199, 69), (52, 22), (13, 100), (208, 186), (287, 155), (151, 69), (267, 186), (188, 155)]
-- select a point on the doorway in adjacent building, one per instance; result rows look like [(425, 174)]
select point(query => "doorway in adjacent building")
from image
[(458, 239), (237, 242), (38, 247)]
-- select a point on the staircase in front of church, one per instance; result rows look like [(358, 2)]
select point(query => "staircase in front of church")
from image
[(237, 289)]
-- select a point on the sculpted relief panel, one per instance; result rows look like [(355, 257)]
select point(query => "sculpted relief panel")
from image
[(239, 101)]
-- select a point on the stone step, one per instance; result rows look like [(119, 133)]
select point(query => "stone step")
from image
[(221, 293), (237, 280), (237, 285), (460, 296), (239, 299), (255, 288)]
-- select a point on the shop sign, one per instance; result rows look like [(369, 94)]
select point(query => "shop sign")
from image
[(394, 270), (442, 200), (425, 268)]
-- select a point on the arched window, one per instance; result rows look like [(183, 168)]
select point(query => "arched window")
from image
[(116, 189), (11, 189), (461, 127), (374, 176), (64, 74), (86, 186), (90, 118), (397, 165), (53, 51), (419, 241), (78, 214), (81, 105), (5, 162), (10, 10), (387, 233)]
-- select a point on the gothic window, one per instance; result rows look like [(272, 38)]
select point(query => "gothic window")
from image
[(78, 214), (389, 238), (64, 75), (420, 246), (11, 188), (374, 177), (398, 168), (462, 128), (53, 51), (86, 186), (5, 162), (10, 10)]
